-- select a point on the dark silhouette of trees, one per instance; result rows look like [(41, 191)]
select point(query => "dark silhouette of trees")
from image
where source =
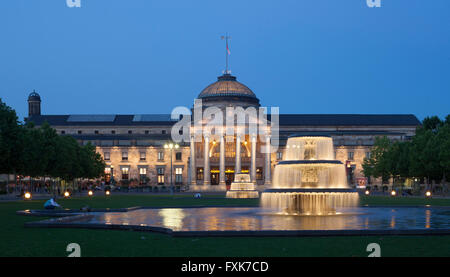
[(41, 152), (425, 156)]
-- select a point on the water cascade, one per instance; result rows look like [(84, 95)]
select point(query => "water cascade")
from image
[(309, 180), (242, 187)]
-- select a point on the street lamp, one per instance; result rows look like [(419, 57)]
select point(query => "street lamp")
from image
[(27, 196), (171, 146), (111, 179)]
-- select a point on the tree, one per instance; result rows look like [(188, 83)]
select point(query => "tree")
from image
[(67, 166), (91, 162), (444, 149), (41, 152), (49, 148), (398, 159), (33, 159), (378, 165), (432, 123), (424, 158), (10, 146)]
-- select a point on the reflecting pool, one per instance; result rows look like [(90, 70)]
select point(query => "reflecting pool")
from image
[(257, 219)]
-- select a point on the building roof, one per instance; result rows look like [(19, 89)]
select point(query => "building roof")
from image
[(226, 85), (103, 120), (284, 120), (347, 120)]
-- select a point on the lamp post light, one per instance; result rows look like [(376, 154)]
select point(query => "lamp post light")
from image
[(27, 196), (111, 179), (171, 146)]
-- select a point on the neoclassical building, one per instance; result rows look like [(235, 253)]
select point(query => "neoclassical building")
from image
[(133, 145)]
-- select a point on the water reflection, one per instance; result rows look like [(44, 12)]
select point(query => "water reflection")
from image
[(172, 218), (256, 219), (393, 221), (427, 218)]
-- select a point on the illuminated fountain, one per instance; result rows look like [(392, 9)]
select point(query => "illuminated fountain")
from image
[(242, 187), (309, 180)]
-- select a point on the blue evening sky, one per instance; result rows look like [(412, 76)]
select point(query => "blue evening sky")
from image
[(304, 56)]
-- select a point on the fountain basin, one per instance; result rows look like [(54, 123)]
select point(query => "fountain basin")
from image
[(242, 194), (309, 201), (242, 187), (252, 221)]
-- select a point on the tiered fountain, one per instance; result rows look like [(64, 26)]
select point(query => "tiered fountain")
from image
[(242, 187), (309, 180)]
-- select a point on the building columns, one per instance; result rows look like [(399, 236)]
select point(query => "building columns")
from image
[(193, 180), (206, 170), (222, 161), (268, 167), (253, 159), (237, 168)]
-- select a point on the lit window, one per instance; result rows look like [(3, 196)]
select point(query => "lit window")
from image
[(279, 155), (160, 172), (143, 175), (178, 175), (161, 156), (143, 156), (125, 171), (108, 171), (351, 155)]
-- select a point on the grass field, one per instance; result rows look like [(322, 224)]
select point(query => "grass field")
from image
[(15, 240)]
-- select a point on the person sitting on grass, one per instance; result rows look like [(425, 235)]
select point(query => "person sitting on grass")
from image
[(51, 204)]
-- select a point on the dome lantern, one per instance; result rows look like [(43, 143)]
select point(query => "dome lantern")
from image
[(34, 104)]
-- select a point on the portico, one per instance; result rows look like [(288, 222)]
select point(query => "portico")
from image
[(217, 156)]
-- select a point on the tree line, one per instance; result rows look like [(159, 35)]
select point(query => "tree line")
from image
[(40, 152), (426, 156)]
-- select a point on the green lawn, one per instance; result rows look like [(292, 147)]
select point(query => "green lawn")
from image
[(15, 240)]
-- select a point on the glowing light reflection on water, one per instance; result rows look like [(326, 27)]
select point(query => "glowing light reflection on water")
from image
[(256, 219)]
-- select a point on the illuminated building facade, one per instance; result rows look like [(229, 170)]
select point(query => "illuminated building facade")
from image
[(133, 145)]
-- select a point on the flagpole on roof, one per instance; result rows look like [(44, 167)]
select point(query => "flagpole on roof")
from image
[(227, 51)]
